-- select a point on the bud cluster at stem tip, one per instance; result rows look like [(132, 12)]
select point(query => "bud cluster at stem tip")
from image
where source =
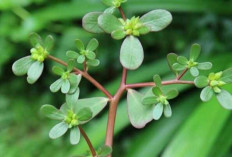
[(131, 26), (71, 119), (39, 53), (215, 82)]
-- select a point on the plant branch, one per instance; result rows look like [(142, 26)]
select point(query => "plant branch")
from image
[(85, 75), (88, 142), (182, 74), (122, 13), (148, 84), (113, 110)]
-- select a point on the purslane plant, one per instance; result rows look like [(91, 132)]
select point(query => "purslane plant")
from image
[(142, 108)]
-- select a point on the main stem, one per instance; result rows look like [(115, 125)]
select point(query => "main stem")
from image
[(113, 110)]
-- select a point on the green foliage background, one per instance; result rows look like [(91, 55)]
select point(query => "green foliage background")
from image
[(196, 129)]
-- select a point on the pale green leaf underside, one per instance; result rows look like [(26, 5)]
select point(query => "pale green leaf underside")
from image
[(131, 53), (139, 114), (157, 20)]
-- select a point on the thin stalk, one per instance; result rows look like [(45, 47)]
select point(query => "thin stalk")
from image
[(148, 84), (85, 75), (93, 152), (182, 74)]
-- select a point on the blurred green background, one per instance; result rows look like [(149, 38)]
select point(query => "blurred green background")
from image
[(196, 129)]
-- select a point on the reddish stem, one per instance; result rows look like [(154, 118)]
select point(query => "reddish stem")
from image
[(147, 84), (122, 13), (182, 74), (113, 110), (88, 142)]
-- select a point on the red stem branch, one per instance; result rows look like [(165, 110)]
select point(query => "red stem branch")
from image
[(148, 84), (85, 75), (182, 74), (88, 142)]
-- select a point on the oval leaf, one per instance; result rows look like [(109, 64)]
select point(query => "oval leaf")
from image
[(90, 22), (58, 130), (201, 81), (52, 112), (55, 87), (167, 111), (35, 72), (158, 110), (75, 136), (139, 114), (156, 20), (204, 66), (92, 45), (227, 76), (131, 53), (21, 66), (225, 99), (206, 94), (109, 23), (195, 51)]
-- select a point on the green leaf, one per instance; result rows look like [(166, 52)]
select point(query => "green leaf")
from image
[(178, 67), (206, 94), (131, 53), (49, 42), (167, 111), (110, 10), (194, 71), (72, 54), (71, 65), (58, 130), (157, 80), (201, 81), (103, 151), (81, 59), (225, 99), (149, 100), (94, 62), (182, 60), (172, 58), (139, 114), (55, 87), (144, 30), (118, 34), (157, 91), (171, 94), (227, 76), (92, 45), (52, 112), (74, 82), (156, 20), (21, 66), (35, 72), (204, 66), (90, 22), (79, 44), (108, 2), (96, 104), (90, 55), (57, 70), (75, 136), (35, 39), (157, 112), (71, 99), (84, 114), (109, 23), (65, 86), (195, 51)]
